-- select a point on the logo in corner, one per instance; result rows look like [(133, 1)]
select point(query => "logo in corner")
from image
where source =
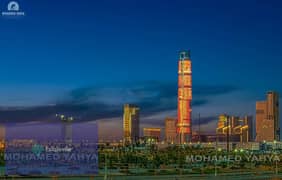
[(13, 9), (13, 6)]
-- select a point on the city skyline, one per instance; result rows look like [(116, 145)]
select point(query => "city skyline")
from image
[(140, 89), (108, 58)]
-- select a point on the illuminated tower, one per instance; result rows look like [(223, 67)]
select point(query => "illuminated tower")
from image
[(184, 97), (130, 123)]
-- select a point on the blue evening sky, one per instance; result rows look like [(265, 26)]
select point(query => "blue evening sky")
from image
[(63, 45)]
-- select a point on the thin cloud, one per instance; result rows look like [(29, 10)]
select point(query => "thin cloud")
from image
[(92, 103)]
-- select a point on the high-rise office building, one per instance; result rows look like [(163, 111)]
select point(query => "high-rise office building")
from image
[(153, 133), (247, 129), (184, 97), (262, 124), (221, 124), (130, 123), (234, 128), (223, 130), (2, 132), (267, 118), (2, 136), (66, 132), (170, 130)]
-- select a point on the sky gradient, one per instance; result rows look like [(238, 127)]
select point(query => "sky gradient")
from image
[(88, 58)]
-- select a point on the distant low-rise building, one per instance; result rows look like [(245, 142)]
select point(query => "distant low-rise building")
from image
[(152, 134), (170, 130)]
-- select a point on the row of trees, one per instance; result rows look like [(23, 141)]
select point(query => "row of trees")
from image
[(174, 157)]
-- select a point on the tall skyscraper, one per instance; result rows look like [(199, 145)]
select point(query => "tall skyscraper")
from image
[(130, 123), (267, 118), (170, 130), (184, 97)]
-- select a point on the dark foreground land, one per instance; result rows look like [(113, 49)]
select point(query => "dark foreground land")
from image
[(227, 176), (170, 164)]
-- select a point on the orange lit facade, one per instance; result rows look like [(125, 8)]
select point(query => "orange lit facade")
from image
[(130, 123), (154, 133), (170, 130), (267, 118), (184, 97), (2, 137), (234, 129)]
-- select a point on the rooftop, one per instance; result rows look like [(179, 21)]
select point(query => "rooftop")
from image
[(184, 55)]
